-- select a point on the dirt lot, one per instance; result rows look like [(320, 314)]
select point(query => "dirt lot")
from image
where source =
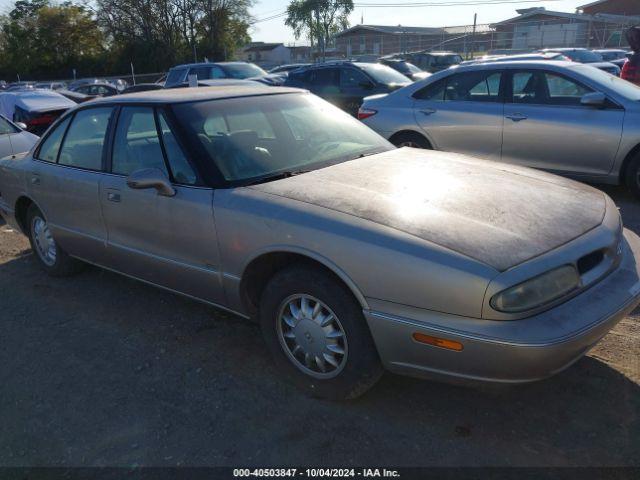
[(102, 370)]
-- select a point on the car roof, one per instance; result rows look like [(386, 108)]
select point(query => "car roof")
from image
[(204, 64), (194, 94), (516, 64)]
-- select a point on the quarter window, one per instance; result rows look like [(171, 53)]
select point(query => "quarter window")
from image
[(136, 145), (84, 141), (180, 167), (49, 149)]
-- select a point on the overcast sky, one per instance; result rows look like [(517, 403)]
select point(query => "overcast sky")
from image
[(431, 16)]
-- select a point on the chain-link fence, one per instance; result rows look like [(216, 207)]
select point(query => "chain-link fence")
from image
[(504, 37)]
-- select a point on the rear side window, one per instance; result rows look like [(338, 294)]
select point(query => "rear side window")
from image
[(473, 87), (464, 87), (84, 142), (51, 145), (136, 145), (434, 91)]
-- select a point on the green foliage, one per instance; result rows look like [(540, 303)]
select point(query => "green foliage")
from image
[(319, 20), (44, 39)]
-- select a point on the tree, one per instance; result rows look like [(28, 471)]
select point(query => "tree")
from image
[(319, 19), (43, 39)]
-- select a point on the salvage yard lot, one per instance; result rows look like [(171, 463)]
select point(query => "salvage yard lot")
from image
[(102, 370)]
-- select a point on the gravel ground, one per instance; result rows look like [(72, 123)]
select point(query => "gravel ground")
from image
[(99, 370)]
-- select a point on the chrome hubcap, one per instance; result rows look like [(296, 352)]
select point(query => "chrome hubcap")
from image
[(44, 242), (312, 336)]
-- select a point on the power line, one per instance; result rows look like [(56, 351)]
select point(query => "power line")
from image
[(448, 3)]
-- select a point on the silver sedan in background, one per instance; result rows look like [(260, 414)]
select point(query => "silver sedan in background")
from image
[(353, 255), (564, 117)]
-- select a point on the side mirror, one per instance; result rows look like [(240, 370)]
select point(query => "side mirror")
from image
[(22, 125), (151, 178), (367, 85), (595, 99)]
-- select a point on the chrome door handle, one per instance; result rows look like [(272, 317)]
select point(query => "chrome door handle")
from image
[(428, 111), (516, 117), (113, 197), (35, 180)]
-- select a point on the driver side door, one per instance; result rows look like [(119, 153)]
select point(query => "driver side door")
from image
[(169, 241), (545, 125)]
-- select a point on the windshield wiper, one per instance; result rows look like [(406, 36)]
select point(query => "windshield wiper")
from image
[(276, 176)]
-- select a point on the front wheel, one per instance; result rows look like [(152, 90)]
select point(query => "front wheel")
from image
[(632, 175), (49, 255), (412, 140), (317, 334)]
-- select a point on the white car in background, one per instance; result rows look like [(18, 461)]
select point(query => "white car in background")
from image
[(35, 108), (13, 139)]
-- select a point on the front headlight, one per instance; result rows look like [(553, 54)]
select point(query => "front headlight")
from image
[(538, 291)]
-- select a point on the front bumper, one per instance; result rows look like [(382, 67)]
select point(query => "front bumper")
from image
[(513, 351)]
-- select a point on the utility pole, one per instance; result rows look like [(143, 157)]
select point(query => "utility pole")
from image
[(473, 36)]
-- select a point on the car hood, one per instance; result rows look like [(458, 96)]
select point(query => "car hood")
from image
[(497, 214)]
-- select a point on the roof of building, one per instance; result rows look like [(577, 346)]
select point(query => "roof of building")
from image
[(179, 95), (583, 17), (593, 4), (262, 47), (394, 30), (404, 30)]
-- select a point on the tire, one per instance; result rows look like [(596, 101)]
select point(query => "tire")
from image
[(53, 260), (411, 139), (632, 175), (345, 376)]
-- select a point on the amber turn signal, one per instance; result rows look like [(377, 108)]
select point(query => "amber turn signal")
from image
[(438, 342)]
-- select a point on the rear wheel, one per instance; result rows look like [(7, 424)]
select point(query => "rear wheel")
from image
[(411, 139), (317, 334), (49, 255)]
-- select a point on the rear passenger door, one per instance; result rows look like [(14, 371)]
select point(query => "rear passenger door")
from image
[(463, 113), (65, 182), (547, 127), (168, 241)]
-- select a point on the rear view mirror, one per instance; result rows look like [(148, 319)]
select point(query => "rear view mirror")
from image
[(151, 178), (595, 99)]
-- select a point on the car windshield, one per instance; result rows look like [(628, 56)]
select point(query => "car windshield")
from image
[(262, 137), (405, 67), (583, 56), (621, 87), (244, 70), (447, 59), (384, 75)]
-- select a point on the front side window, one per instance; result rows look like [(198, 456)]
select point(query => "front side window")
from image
[(85, 138), (136, 145), (546, 88), (175, 76), (304, 133), (51, 145)]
